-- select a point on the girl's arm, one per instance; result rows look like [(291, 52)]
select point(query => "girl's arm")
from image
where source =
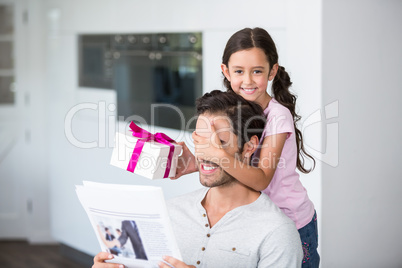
[(257, 178)]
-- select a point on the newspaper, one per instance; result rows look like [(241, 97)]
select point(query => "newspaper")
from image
[(130, 221)]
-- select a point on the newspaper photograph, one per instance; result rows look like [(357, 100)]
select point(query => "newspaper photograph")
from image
[(130, 221)]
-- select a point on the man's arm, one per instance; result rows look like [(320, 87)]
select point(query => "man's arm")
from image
[(124, 236), (101, 257), (282, 249)]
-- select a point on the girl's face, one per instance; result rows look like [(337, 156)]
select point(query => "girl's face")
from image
[(249, 72)]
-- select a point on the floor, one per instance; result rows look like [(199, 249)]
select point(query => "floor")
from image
[(20, 254)]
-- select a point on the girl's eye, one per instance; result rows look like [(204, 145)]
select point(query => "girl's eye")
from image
[(238, 72), (258, 71)]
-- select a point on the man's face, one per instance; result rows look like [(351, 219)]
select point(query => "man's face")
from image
[(212, 175)]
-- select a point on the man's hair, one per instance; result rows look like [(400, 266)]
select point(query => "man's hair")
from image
[(247, 117)]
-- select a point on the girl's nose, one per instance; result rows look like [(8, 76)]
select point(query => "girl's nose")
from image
[(248, 79)]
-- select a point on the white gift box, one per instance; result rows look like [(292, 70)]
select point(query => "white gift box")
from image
[(152, 161)]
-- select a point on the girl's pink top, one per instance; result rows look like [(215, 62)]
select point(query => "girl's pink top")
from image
[(285, 189)]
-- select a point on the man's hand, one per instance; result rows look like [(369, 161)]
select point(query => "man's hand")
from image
[(186, 163), (99, 261), (173, 263)]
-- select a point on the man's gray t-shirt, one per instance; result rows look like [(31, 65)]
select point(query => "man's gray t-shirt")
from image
[(254, 235)]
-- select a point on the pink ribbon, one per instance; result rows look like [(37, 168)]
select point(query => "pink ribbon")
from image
[(143, 137)]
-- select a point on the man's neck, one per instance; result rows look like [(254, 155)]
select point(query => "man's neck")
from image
[(220, 200)]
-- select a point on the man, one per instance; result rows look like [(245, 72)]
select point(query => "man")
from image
[(130, 230), (228, 224), (108, 236)]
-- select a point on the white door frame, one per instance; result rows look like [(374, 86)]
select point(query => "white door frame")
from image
[(14, 205)]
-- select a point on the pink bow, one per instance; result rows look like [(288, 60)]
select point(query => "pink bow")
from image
[(143, 137)]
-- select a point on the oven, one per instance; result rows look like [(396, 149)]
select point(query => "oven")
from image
[(157, 77)]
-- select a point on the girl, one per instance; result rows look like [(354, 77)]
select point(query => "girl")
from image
[(249, 62)]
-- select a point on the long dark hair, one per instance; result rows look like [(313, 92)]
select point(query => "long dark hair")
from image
[(247, 117), (248, 38)]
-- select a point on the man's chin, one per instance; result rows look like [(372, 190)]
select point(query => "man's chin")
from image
[(209, 180), (216, 181)]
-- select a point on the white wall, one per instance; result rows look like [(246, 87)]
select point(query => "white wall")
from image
[(362, 196), (26, 167), (36, 121), (303, 62)]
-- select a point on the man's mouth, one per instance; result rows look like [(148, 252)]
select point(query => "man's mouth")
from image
[(207, 167)]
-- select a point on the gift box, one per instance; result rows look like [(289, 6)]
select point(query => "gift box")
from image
[(153, 156)]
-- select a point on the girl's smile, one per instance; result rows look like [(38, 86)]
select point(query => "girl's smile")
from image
[(249, 90)]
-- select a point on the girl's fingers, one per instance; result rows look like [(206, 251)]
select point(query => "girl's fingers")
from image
[(216, 141), (200, 140)]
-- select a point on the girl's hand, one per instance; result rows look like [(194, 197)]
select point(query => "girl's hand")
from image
[(173, 262), (208, 147), (99, 261), (186, 163)]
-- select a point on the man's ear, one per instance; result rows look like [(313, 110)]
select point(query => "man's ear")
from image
[(225, 71), (250, 147)]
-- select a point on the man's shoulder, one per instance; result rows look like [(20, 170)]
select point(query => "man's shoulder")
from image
[(188, 198), (270, 222), (266, 211), (281, 238), (184, 209)]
